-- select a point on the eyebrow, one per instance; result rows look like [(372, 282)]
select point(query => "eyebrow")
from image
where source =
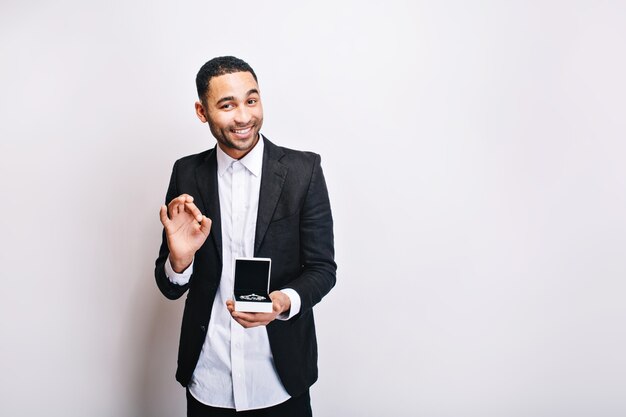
[(231, 98)]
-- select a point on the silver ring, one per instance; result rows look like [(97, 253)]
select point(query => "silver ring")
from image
[(252, 297)]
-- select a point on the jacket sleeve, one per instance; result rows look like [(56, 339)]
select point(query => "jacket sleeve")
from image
[(317, 251)]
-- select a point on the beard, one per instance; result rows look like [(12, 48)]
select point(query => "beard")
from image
[(238, 138)]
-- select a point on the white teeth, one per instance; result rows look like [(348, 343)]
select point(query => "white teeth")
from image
[(242, 131)]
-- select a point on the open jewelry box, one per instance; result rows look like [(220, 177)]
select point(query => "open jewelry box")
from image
[(252, 283)]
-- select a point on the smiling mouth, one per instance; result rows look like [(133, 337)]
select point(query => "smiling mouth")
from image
[(242, 131)]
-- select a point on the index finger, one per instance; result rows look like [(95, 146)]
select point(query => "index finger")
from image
[(195, 211), (173, 205)]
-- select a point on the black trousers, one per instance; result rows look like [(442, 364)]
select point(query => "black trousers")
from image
[(293, 407)]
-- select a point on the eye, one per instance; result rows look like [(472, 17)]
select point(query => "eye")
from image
[(252, 101), (227, 106)]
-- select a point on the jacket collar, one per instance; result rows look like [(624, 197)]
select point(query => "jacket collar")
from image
[(273, 178), (272, 181)]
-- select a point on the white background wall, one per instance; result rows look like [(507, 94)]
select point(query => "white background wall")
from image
[(475, 157)]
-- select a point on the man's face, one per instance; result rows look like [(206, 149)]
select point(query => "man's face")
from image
[(234, 112)]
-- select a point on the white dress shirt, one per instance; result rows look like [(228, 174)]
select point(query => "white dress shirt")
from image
[(236, 368)]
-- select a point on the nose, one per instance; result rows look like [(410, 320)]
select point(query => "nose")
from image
[(242, 115)]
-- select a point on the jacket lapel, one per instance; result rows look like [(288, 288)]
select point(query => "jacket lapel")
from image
[(272, 181), (206, 178)]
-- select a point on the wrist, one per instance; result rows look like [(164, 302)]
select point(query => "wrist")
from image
[(179, 265)]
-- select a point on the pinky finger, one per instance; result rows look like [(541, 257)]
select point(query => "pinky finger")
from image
[(205, 225)]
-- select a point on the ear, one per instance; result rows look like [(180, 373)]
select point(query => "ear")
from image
[(201, 112)]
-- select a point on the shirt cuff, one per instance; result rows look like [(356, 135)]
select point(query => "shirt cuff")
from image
[(294, 297), (176, 278)]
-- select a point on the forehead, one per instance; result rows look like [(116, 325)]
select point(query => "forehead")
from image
[(237, 85)]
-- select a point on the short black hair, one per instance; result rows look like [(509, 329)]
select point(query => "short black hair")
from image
[(219, 66)]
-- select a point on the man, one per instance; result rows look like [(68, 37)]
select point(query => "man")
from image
[(245, 197)]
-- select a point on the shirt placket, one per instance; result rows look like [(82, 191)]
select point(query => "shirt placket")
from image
[(237, 249)]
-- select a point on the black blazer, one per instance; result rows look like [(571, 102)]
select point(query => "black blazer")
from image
[(294, 228)]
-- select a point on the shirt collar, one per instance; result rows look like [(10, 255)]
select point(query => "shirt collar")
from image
[(253, 161)]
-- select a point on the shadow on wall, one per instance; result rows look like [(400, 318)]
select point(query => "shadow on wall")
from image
[(157, 393)]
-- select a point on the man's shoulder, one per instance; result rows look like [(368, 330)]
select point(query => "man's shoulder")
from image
[(292, 156), (194, 160)]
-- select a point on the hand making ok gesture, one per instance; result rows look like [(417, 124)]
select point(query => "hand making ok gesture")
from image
[(186, 230)]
